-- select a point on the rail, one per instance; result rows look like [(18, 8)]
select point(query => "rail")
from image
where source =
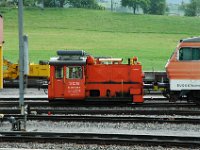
[(91, 138), (112, 119)]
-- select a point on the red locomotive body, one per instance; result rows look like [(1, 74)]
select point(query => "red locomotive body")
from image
[(75, 76)]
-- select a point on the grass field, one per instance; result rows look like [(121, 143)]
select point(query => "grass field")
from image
[(101, 33)]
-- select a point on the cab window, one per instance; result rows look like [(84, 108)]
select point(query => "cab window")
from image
[(74, 72), (58, 72), (188, 53)]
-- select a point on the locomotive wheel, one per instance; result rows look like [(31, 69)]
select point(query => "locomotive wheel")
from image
[(166, 93), (174, 96)]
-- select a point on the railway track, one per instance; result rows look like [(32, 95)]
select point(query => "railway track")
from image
[(16, 99), (101, 111), (150, 107), (102, 108), (96, 138), (44, 98), (111, 119), (152, 104)]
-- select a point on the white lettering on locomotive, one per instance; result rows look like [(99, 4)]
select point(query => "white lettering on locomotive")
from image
[(178, 85), (74, 83), (74, 88)]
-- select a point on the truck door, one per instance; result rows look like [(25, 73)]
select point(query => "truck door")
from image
[(74, 83), (59, 82)]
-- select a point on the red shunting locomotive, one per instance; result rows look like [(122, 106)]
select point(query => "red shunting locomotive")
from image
[(77, 76)]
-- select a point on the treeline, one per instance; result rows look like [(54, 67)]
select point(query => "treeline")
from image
[(157, 7), (191, 9), (54, 3)]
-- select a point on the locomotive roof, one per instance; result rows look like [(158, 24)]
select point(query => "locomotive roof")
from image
[(71, 53), (69, 57), (194, 39), (58, 61)]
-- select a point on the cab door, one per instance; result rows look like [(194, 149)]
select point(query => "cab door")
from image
[(59, 82), (74, 83)]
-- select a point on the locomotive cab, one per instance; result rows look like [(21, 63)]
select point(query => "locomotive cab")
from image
[(67, 79), (183, 70)]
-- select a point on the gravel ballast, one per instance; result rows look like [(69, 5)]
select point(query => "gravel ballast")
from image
[(72, 146), (88, 127), (122, 128)]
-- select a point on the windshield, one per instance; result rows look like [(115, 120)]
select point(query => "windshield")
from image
[(189, 53)]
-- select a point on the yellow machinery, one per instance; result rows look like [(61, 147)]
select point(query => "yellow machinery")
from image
[(36, 71), (39, 71), (1, 52), (10, 71)]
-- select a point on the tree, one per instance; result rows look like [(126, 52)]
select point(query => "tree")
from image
[(53, 3), (145, 5), (11, 3), (135, 4), (193, 8), (84, 4), (157, 7), (62, 2), (29, 3)]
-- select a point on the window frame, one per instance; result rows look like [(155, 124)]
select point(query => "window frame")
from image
[(191, 49), (61, 74), (76, 72)]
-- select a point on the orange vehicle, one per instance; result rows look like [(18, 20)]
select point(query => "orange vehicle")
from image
[(75, 76), (183, 70)]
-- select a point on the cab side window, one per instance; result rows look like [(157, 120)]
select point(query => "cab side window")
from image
[(58, 72), (74, 72)]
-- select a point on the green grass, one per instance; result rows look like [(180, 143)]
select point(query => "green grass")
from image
[(101, 33)]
